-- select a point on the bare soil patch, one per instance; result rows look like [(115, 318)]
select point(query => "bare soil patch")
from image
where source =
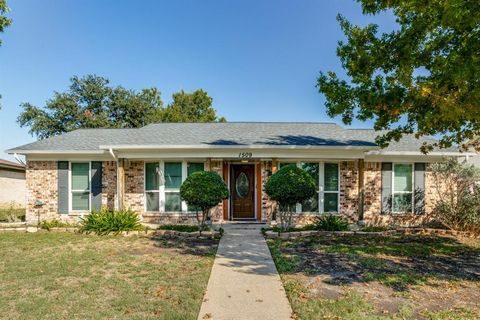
[(408, 276)]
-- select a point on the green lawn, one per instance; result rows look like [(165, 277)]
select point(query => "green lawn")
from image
[(68, 276), (394, 277)]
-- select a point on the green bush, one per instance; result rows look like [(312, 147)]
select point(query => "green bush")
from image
[(330, 222), (47, 225), (107, 221), (12, 213), (181, 227), (203, 190), (288, 186), (458, 195)]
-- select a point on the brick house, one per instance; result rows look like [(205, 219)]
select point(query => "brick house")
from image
[(71, 174)]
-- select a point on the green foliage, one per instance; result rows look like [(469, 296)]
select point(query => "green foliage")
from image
[(191, 107), (288, 186), (90, 102), (181, 227), (107, 221), (221, 231), (204, 190), (458, 201), (4, 21), (421, 78), (47, 225), (330, 222), (12, 213), (283, 262)]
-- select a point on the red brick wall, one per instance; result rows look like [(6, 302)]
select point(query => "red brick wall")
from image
[(134, 197), (42, 185), (349, 189), (109, 184)]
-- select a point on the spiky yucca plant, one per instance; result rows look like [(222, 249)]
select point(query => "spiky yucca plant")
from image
[(108, 221)]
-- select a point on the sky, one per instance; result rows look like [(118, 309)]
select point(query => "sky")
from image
[(258, 60)]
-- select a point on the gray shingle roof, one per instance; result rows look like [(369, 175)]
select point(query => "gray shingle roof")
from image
[(258, 134)]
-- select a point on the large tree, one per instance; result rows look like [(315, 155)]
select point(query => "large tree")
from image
[(421, 78), (191, 107), (4, 21), (90, 102)]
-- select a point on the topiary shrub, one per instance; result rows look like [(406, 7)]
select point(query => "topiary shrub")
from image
[(108, 221), (203, 190), (288, 186), (330, 222)]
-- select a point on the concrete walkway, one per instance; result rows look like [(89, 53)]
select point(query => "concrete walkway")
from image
[(244, 283)]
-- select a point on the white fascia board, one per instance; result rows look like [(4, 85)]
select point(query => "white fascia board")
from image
[(238, 147), (234, 154), (69, 157), (59, 152), (418, 153)]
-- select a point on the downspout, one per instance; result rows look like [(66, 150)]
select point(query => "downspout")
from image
[(113, 154), (18, 159), (24, 164), (118, 187)]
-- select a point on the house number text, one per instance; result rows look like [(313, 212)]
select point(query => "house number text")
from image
[(245, 155)]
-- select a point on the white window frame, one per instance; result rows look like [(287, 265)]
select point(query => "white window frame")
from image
[(183, 205), (71, 191), (412, 165), (321, 185), (323, 192), (162, 190), (145, 191)]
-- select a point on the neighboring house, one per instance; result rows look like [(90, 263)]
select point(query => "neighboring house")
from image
[(12, 184), (142, 169)]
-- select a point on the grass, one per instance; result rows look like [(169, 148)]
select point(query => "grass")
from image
[(11, 214), (70, 276), (181, 227), (382, 277)]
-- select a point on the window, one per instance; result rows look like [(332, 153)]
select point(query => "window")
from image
[(331, 187), (173, 181), (311, 205), (402, 198), (326, 177), (80, 186), (194, 167), (152, 186), (162, 185)]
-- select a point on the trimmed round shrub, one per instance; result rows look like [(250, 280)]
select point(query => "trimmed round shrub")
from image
[(203, 190), (288, 186)]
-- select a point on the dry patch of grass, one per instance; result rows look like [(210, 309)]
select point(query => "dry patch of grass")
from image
[(69, 276), (394, 277)]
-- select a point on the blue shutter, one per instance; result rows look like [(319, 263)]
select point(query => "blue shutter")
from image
[(386, 187), (419, 188), (62, 174), (96, 183)]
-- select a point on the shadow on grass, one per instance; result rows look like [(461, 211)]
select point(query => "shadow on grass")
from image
[(192, 246), (396, 261)]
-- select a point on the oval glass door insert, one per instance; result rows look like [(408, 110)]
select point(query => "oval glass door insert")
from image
[(242, 185)]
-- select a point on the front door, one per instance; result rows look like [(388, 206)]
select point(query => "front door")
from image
[(242, 191)]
